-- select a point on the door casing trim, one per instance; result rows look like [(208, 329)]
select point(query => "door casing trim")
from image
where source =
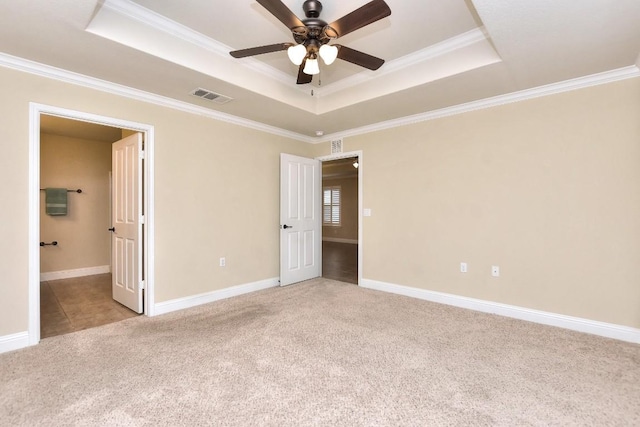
[(35, 110), (359, 155)]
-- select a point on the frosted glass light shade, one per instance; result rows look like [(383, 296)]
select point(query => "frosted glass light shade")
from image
[(297, 53), (311, 67), (328, 53)]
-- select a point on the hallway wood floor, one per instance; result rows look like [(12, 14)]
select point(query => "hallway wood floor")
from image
[(70, 305), (340, 261)]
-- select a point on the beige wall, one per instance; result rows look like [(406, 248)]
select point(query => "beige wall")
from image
[(82, 236), (548, 189), (216, 193), (348, 228)]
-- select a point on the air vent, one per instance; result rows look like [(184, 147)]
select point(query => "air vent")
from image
[(211, 96), (336, 146)]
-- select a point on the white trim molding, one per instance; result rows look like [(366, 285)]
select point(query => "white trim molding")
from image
[(624, 73), (207, 297), (65, 76), (47, 71), (360, 155), (608, 330), (77, 272), (14, 342), (35, 110)]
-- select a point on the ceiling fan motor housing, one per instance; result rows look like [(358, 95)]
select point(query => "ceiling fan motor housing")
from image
[(312, 8)]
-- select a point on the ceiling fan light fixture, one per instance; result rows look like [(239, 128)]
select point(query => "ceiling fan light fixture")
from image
[(328, 53), (311, 67), (312, 36), (297, 53)]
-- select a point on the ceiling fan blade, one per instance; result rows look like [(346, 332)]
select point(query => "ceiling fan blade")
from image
[(367, 14), (359, 58), (303, 78), (282, 12), (260, 50)]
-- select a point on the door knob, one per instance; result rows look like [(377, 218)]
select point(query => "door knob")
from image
[(287, 226), (112, 229)]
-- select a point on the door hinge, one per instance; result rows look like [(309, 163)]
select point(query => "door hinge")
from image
[(142, 154), (141, 219), (142, 284)]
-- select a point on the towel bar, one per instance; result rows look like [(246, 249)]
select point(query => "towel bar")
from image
[(68, 191)]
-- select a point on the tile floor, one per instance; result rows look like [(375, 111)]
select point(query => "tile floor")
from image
[(340, 261), (69, 305)]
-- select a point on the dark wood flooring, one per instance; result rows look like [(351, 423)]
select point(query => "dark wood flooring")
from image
[(340, 261), (69, 305)]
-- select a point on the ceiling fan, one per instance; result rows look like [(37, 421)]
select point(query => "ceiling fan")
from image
[(312, 36)]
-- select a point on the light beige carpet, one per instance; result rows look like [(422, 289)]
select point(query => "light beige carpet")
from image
[(322, 353)]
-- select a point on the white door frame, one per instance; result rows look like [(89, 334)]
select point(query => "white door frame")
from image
[(35, 110), (339, 156)]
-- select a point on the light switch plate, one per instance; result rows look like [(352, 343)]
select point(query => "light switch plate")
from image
[(366, 212)]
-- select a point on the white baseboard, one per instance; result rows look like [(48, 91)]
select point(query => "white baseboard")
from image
[(339, 240), (78, 272), (14, 342), (196, 300), (609, 330)]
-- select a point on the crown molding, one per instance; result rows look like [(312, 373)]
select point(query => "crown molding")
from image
[(65, 76), (152, 19), (447, 46), (54, 73), (128, 10), (523, 95)]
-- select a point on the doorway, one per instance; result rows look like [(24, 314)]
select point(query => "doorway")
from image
[(75, 257), (91, 279), (341, 204)]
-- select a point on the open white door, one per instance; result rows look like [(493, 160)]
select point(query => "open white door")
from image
[(126, 222), (300, 219)]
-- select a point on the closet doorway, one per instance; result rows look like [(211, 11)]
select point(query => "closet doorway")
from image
[(70, 284)]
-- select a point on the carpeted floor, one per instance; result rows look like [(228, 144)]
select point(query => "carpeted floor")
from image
[(322, 353)]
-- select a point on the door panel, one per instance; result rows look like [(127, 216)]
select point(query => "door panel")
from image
[(300, 219), (127, 227)]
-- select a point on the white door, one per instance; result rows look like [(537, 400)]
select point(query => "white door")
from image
[(126, 223), (300, 219)]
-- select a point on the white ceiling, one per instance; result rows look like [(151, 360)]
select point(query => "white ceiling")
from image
[(439, 53)]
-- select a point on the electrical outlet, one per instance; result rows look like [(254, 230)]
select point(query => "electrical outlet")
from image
[(223, 262), (463, 267), (495, 271)]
